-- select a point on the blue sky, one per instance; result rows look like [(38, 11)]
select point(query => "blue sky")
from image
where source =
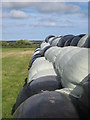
[(35, 21)]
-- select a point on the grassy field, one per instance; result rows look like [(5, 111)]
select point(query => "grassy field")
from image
[(15, 63)]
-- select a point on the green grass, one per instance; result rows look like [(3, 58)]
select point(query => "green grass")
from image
[(16, 49), (14, 72)]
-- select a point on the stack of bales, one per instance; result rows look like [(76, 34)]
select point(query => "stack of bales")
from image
[(58, 80)]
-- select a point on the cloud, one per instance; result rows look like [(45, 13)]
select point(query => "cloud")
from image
[(17, 14), (58, 8), (51, 23), (44, 0), (14, 14), (43, 18), (46, 7), (0, 15)]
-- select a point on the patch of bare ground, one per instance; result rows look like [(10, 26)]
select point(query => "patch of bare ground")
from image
[(14, 53)]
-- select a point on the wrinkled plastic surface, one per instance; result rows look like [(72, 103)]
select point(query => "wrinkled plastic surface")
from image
[(47, 105)]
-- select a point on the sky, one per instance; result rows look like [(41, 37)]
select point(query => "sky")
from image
[(37, 20)]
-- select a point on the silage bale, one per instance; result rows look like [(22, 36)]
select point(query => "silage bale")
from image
[(48, 104), (43, 45), (82, 41), (63, 40), (48, 37), (37, 49), (34, 58), (77, 67), (45, 49), (86, 87), (39, 60), (55, 41), (67, 43), (81, 35), (50, 40), (36, 53), (52, 53), (75, 40), (80, 101), (74, 70), (63, 52), (39, 67), (63, 59), (87, 43), (42, 73), (50, 83)]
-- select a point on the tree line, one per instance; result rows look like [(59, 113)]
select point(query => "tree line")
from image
[(20, 44)]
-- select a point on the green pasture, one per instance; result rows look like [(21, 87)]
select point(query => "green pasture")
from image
[(15, 62)]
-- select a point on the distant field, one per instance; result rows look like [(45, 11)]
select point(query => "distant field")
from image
[(15, 63)]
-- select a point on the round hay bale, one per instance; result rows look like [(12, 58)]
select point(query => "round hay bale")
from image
[(82, 41), (39, 67), (87, 43), (63, 40), (67, 43), (75, 41), (47, 105), (42, 73), (50, 83), (52, 53), (48, 37), (55, 41)]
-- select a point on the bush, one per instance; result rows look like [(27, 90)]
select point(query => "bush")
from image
[(4, 43), (22, 42)]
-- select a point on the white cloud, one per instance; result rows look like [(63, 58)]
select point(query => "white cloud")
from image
[(18, 14), (15, 14), (60, 7)]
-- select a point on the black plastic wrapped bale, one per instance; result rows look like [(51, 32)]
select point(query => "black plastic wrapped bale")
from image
[(82, 41), (42, 51), (38, 49), (49, 104), (43, 45), (67, 43), (50, 83), (87, 43), (82, 104), (45, 49), (75, 40), (48, 37), (37, 52), (50, 40), (55, 41), (63, 40), (81, 35), (85, 98)]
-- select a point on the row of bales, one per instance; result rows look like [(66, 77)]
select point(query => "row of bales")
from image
[(58, 82)]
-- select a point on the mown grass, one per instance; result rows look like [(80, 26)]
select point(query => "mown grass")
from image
[(14, 72)]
